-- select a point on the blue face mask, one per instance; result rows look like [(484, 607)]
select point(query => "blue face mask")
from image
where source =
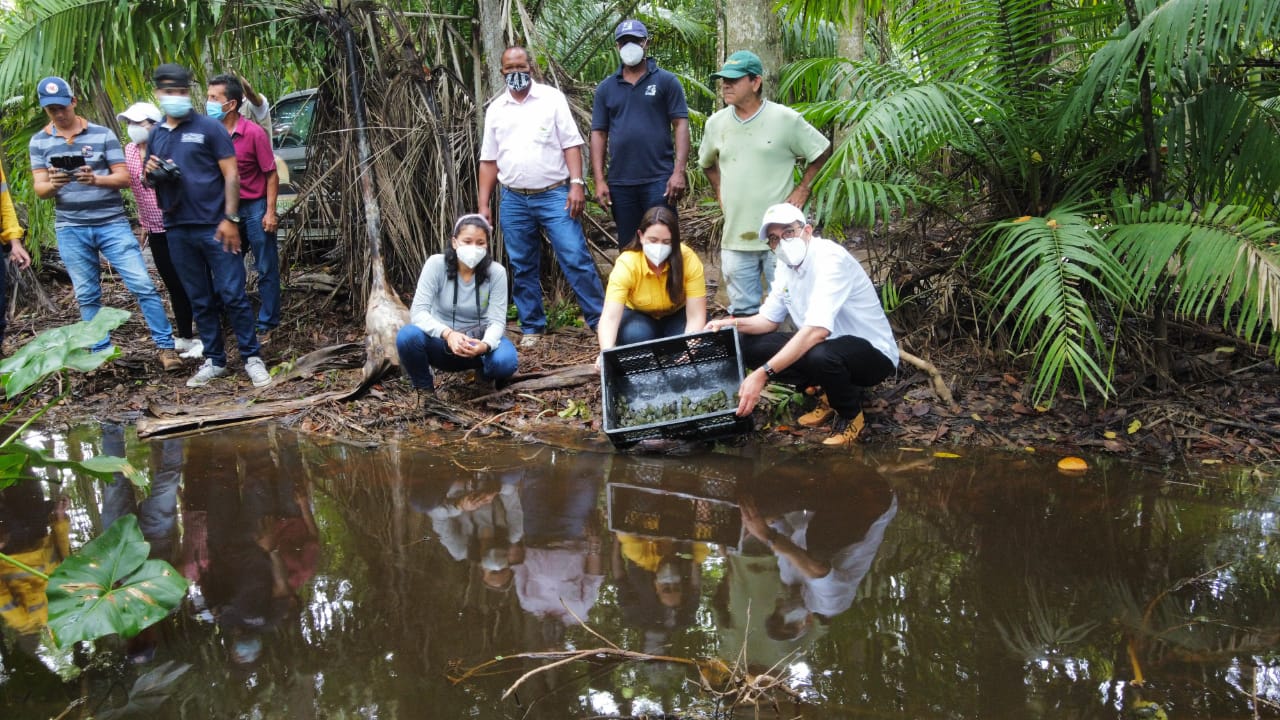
[(175, 106), (213, 109)]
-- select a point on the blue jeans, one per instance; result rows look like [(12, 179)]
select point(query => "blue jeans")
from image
[(80, 245), (214, 281), (741, 271), (266, 260), (631, 202), (639, 327), (520, 217), (419, 352)]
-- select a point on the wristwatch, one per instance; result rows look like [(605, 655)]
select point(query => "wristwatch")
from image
[(232, 217), (769, 372), (577, 181)]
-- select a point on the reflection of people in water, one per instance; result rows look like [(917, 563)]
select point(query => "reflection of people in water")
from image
[(250, 539), (658, 584), (478, 518), (35, 532), (824, 533), (825, 539), (157, 513), (562, 570)]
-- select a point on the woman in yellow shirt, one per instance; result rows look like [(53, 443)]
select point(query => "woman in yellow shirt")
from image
[(657, 288)]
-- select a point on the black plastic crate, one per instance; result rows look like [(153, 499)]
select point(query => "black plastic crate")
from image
[(687, 368), (655, 512)]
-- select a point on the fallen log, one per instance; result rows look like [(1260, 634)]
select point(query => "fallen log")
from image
[(570, 376), (173, 420)]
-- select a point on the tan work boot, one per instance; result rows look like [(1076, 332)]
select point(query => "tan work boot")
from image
[(170, 361), (818, 415), (846, 430)]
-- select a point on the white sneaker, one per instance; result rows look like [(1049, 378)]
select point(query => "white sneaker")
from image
[(207, 373), (193, 347), (257, 372)]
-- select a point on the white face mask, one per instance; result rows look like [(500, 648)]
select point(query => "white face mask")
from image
[(470, 255), (667, 574), (795, 615), (656, 252), (138, 133), (793, 250), (631, 54)]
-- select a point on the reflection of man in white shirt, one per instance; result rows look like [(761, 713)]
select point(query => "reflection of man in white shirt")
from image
[(823, 554)]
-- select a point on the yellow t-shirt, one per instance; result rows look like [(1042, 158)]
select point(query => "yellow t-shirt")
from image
[(634, 284), (648, 553)]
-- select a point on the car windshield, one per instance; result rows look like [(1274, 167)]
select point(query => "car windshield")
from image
[(292, 118)]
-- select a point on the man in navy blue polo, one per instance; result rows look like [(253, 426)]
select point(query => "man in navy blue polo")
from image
[(201, 208), (637, 112)]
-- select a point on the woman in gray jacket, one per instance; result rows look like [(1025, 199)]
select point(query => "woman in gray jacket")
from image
[(459, 312)]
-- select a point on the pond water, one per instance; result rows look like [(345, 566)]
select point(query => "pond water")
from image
[(335, 581)]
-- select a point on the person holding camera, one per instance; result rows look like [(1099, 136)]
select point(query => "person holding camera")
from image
[(81, 167), (192, 166), (138, 120), (459, 312)]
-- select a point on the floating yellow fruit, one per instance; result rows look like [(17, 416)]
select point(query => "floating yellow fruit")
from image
[(1072, 464)]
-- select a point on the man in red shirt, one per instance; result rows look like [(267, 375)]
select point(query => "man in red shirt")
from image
[(259, 186)]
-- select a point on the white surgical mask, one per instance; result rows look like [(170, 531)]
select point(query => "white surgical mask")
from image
[(470, 255), (795, 615), (631, 54), (495, 559), (138, 133), (667, 574), (656, 252), (793, 250)]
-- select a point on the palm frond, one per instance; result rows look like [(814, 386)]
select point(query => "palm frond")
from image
[(1217, 259), (1040, 269), (1178, 41), (1227, 144)]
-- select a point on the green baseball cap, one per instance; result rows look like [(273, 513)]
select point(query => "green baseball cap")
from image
[(743, 62)]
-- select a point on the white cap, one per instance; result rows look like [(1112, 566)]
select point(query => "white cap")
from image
[(780, 214), (140, 111)]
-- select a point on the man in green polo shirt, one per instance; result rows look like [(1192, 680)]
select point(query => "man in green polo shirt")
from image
[(749, 152)]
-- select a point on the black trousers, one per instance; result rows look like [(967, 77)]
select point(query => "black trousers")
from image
[(159, 243), (843, 366)]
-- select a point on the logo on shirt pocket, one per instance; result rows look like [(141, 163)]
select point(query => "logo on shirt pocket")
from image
[(197, 138), (651, 91)]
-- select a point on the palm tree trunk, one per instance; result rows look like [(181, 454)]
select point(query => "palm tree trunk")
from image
[(492, 24), (753, 25), (853, 42), (1155, 185)]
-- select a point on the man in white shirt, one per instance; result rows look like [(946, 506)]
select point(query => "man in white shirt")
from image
[(844, 343), (533, 148)]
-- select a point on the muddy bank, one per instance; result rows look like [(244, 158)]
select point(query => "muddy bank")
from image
[(1225, 409)]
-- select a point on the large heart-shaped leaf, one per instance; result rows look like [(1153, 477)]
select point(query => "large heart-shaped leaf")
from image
[(110, 587), (15, 457), (58, 348), (149, 691)]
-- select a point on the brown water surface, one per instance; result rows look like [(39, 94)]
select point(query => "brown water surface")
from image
[(332, 581)]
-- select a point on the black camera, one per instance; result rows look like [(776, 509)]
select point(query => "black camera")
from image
[(67, 162), (165, 173)]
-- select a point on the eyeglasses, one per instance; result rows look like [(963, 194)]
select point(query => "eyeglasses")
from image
[(786, 234)]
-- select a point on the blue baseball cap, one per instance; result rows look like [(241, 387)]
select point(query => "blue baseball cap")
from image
[(54, 91), (630, 28)]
